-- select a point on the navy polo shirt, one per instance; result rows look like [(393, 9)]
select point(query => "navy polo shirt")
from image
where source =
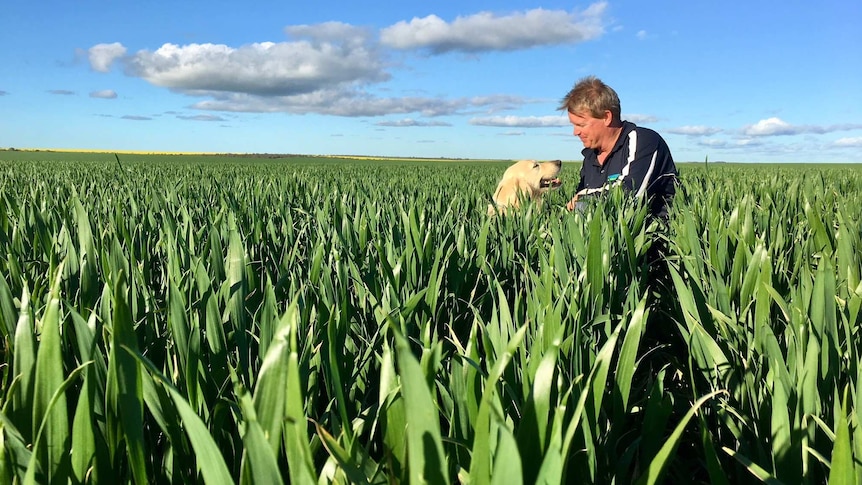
[(640, 162)]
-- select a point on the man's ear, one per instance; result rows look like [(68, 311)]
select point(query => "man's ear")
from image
[(608, 118)]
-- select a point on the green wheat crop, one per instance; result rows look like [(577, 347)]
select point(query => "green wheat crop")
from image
[(308, 320)]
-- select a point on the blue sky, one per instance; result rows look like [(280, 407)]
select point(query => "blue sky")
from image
[(740, 81)]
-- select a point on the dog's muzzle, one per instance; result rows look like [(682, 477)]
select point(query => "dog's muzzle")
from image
[(550, 183)]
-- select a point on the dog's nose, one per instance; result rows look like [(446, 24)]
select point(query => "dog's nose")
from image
[(557, 162)]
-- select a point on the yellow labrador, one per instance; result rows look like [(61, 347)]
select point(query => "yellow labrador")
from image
[(527, 178)]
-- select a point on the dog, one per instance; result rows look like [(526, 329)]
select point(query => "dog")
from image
[(526, 178)]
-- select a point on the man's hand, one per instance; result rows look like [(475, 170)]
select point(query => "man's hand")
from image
[(571, 205)]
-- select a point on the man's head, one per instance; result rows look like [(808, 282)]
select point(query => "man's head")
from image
[(591, 97), (594, 111)]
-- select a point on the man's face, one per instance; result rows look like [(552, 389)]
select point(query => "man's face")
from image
[(588, 129)]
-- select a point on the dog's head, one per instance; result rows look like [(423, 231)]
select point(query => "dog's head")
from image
[(528, 178), (537, 176)]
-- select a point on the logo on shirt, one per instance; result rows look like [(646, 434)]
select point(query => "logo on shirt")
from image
[(612, 178)]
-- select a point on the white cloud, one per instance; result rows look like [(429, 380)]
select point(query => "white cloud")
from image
[(776, 126), (62, 92), (406, 122), (327, 68), (346, 102), (698, 130), (267, 68), (738, 144), (637, 119), (841, 127), (521, 121), (337, 32), (770, 126), (486, 31), (855, 142), (642, 35), (201, 118), (747, 142), (101, 56), (104, 94)]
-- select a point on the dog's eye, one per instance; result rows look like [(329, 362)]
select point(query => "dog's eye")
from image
[(536, 165)]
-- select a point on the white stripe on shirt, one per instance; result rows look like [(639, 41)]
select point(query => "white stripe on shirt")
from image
[(645, 181)]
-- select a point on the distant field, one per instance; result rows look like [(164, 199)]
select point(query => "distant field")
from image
[(69, 154), (95, 155), (218, 319), (121, 152)]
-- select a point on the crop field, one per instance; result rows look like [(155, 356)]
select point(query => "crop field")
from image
[(207, 319)]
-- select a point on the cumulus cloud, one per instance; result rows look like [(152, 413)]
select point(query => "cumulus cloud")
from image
[(776, 126), (351, 103), (521, 121), (104, 94), (855, 142), (201, 118), (747, 142), (102, 56), (331, 68), (729, 144), (406, 122), (487, 31), (698, 130), (328, 32), (637, 119), (266, 68), (770, 126), (642, 35)]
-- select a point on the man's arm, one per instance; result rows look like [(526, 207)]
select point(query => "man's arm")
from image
[(581, 184), (652, 172)]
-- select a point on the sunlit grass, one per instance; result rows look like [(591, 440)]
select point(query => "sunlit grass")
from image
[(214, 319)]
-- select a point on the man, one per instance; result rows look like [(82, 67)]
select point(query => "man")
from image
[(616, 152)]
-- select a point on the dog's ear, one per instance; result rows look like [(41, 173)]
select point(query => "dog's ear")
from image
[(526, 188), (505, 194), (510, 192)]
